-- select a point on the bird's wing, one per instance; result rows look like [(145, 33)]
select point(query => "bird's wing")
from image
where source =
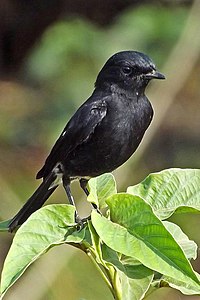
[(77, 131)]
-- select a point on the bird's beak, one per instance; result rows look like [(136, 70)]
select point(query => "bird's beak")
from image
[(154, 75)]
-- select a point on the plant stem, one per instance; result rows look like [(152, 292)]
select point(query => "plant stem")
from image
[(113, 276), (103, 275), (115, 285)]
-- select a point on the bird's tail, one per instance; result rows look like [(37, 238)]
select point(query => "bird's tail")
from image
[(36, 201)]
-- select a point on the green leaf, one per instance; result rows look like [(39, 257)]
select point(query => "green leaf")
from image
[(135, 288), (4, 225), (169, 190), (185, 288), (47, 227), (189, 247), (134, 278), (101, 188), (96, 243), (141, 235)]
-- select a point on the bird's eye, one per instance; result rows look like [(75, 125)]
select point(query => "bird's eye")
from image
[(127, 70)]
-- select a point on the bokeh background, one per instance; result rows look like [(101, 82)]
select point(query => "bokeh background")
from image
[(50, 54)]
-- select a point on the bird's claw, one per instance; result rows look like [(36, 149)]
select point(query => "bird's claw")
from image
[(80, 223)]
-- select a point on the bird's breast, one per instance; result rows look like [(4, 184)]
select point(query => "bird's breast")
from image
[(113, 141)]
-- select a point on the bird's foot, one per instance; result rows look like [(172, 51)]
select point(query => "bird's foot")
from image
[(80, 222)]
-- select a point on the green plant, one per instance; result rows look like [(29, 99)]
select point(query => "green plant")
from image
[(133, 247)]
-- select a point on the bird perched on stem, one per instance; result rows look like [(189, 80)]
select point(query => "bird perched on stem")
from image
[(102, 134)]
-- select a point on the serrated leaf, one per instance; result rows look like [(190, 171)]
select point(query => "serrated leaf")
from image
[(169, 190), (47, 227), (135, 231), (189, 247), (101, 188)]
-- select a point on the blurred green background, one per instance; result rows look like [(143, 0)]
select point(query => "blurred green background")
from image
[(50, 54)]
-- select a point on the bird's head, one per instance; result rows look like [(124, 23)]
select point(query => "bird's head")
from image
[(128, 70)]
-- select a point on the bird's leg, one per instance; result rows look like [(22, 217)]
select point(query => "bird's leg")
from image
[(78, 220), (66, 184), (83, 185)]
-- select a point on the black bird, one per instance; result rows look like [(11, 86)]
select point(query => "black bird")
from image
[(103, 133)]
